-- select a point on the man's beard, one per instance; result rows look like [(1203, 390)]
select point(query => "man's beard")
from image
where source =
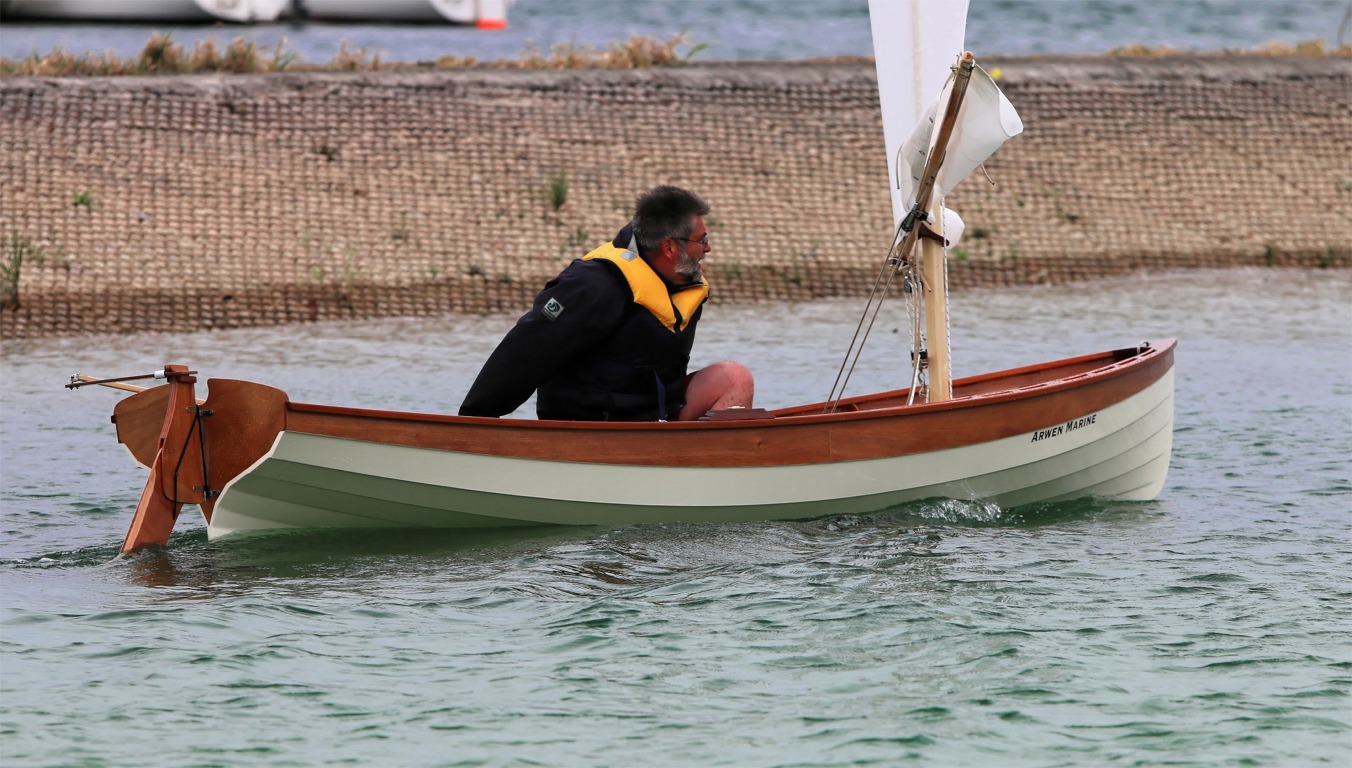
[(687, 266)]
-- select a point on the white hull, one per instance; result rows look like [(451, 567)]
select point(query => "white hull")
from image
[(308, 481), (240, 11), (456, 11), (486, 13)]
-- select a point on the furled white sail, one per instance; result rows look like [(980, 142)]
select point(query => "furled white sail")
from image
[(987, 120)]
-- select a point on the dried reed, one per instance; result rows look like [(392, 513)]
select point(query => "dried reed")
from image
[(161, 55)]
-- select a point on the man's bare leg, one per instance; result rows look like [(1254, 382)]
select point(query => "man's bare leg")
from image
[(721, 385)]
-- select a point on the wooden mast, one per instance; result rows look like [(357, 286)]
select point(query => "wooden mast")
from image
[(933, 270), (929, 234)]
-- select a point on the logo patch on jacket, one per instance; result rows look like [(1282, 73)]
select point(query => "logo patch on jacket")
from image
[(552, 309)]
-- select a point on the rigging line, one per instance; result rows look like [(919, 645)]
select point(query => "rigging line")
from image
[(207, 492), (899, 263), (948, 324), (904, 264), (915, 286), (833, 398), (854, 352), (916, 307), (183, 453), (867, 331), (915, 372), (198, 413), (847, 365)]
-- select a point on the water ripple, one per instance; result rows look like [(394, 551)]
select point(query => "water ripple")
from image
[(1208, 628)]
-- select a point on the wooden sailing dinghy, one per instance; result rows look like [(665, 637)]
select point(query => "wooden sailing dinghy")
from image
[(1095, 425), (253, 460)]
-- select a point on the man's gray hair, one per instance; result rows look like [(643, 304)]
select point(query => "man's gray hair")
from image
[(665, 211)]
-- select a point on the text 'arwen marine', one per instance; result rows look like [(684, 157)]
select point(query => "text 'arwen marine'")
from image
[(1061, 429)]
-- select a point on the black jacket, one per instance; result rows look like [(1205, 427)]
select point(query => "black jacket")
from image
[(590, 350)]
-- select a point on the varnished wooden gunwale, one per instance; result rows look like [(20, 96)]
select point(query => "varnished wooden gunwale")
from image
[(987, 407)]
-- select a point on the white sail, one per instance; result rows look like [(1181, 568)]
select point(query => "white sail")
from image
[(915, 43), (987, 120)]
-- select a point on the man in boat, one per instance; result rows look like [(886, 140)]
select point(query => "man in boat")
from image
[(609, 338)]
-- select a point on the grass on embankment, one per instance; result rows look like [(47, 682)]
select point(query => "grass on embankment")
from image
[(162, 56)]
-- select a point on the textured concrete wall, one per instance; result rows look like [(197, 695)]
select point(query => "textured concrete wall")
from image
[(220, 201)]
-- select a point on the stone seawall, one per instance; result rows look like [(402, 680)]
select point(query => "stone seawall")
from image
[(201, 202)]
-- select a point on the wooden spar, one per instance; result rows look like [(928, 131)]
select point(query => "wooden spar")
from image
[(176, 474), (120, 386), (933, 270), (109, 384), (932, 251)]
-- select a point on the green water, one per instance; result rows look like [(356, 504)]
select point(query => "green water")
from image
[(1208, 628)]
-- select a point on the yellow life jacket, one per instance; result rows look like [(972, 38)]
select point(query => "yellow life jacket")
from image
[(650, 290)]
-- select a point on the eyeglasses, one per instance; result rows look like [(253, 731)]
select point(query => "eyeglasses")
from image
[(704, 241)]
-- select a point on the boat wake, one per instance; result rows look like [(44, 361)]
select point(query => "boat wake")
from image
[(987, 514), (84, 557)]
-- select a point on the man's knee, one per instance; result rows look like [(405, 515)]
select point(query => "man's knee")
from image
[(738, 381), (722, 385)]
